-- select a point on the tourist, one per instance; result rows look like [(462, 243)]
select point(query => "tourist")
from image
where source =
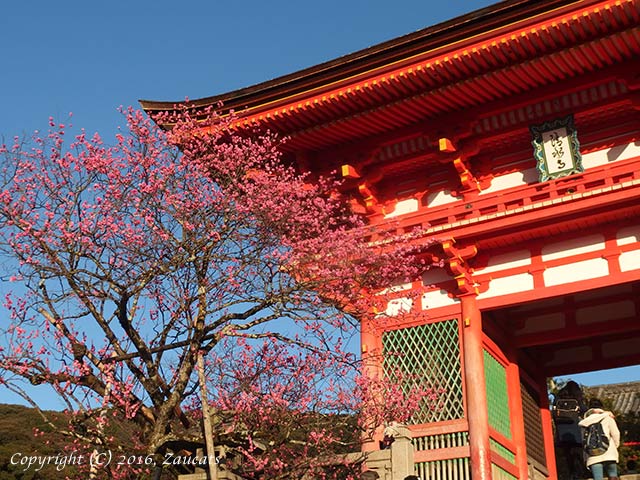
[(605, 463)]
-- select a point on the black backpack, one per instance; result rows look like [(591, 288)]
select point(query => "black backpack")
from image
[(594, 440), (566, 410)]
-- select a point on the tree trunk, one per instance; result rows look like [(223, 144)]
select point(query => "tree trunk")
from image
[(208, 431)]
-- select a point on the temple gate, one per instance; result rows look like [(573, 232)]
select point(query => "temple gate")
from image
[(511, 136)]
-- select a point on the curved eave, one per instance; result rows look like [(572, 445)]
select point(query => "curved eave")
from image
[(510, 60), (365, 60), (319, 124)]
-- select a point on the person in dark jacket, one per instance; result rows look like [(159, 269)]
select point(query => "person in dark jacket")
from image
[(567, 410)]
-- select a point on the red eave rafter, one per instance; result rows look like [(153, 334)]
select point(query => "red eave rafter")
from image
[(469, 93), (565, 38)]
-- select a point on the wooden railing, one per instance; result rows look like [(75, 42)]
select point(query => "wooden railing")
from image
[(442, 451)]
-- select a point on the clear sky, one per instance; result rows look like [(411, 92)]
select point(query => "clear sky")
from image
[(91, 57)]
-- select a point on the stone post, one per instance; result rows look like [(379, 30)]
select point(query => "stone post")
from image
[(401, 453)]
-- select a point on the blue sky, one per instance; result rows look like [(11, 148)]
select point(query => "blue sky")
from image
[(91, 57)]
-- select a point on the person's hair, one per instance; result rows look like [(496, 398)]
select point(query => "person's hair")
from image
[(595, 403), (571, 390), (411, 477), (370, 475)]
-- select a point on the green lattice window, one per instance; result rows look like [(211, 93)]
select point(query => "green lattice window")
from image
[(504, 452), (497, 395), (498, 473), (427, 357)]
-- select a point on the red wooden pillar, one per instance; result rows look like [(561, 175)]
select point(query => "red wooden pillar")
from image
[(517, 415), (547, 429), (371, 350), (476, 394)]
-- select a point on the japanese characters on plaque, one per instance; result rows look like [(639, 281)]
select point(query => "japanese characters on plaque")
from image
[(556, 148)]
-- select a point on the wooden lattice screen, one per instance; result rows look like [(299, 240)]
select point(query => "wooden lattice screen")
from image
[(497, 395), (427, 357), (532, 425)]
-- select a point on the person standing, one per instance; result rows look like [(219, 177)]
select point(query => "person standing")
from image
[(607, 461), (568, 409)]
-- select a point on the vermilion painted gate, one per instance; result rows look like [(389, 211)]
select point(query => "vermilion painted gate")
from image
[(511, 135)]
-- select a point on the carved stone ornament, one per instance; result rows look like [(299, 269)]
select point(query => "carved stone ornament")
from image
[(556, 148)]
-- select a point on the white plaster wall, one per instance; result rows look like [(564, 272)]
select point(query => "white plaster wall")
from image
[(628, 235), (440, 197), (574, 246), (575, 272), (398, 305), (607, 155), (504, 261), (436, 299), (514, 179), (589, 160), (629, 260), (506, 285), (409, 205), (503, 182)]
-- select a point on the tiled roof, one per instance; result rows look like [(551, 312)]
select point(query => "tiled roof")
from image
[(625, 397), (505, 51)]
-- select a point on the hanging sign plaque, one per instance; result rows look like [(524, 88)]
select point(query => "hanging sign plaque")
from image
[(556, 148)]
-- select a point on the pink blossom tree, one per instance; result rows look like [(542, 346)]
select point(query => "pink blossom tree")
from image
[(136, 258)]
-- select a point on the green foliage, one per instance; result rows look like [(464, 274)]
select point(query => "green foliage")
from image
[(629, 426), (23, 433), (18, 439)]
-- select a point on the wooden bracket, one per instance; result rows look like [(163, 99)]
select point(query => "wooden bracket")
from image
[(457, 259), (458, 252), (349, 171), (461, 160), (365, 186)]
